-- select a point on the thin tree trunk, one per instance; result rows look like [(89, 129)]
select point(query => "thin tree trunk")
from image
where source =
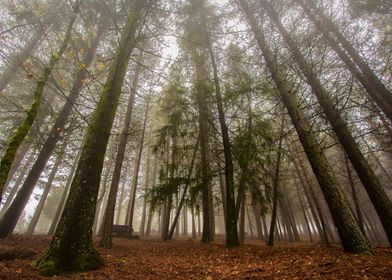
[(21, 57), (304, 212), (16, 208), (377, 195), (97, 230), (249, 221), (182, 200), (108, 216), (121, 200), (241, 235), (18, 182), (72, 241), (149, 221), (137, 167), (146, 185), (275, 187), (193, 223), (257, 214), (352, 238), (64, 196), (8, 223), (48, 185), (230, 217), (382, 96), (321, 231), (354, 194)]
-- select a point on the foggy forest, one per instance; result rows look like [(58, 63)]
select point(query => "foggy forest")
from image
[(196, 139)]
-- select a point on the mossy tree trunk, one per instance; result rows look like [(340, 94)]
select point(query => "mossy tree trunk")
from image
[(18, 182), (108, 216), (71, 248), (19, 135), (350, 234), (377, 195), (16, 208)]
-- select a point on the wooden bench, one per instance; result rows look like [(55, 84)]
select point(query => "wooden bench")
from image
[(123, 231)]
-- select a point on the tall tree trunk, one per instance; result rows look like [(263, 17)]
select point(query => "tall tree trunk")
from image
[(193, 223), (275, 186), (16, 208), (137, 167), (354, 194), (182, 200), (18, 182), (20, 154), (72, 248), (374, 86), (249, 221), (241, 235), (108, 217), (307, 224), (6, 224), (229, 203), (146, 186), (352, 238), (20, 58), (151, 210), (379, 198), (351, 66), (64, 195), (120, 202), (48, 185), (97, 230), (257, 214)]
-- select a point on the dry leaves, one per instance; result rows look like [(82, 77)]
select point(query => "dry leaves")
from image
[(188, 259)]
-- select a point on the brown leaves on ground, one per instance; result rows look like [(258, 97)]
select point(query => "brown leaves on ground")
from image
[(153, 259)]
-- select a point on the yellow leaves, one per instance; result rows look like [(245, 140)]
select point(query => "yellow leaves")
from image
[(82, 66), (56, 55), (101, 66)]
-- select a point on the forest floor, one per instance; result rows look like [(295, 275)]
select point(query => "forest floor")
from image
[(189, 259)]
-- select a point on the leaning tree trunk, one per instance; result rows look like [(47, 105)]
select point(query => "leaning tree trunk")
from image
[(64, 195), (368, 84), (71, 248), (16, 208), (108, 217), (18, 182), (354, 194), (131, 209), (352, 238), (383, 97), (20, 133), (182, 200), (37, 213), (301, 203), (377, 195), (9, 72)]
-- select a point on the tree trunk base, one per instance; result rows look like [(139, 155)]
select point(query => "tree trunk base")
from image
[(51, 263)]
